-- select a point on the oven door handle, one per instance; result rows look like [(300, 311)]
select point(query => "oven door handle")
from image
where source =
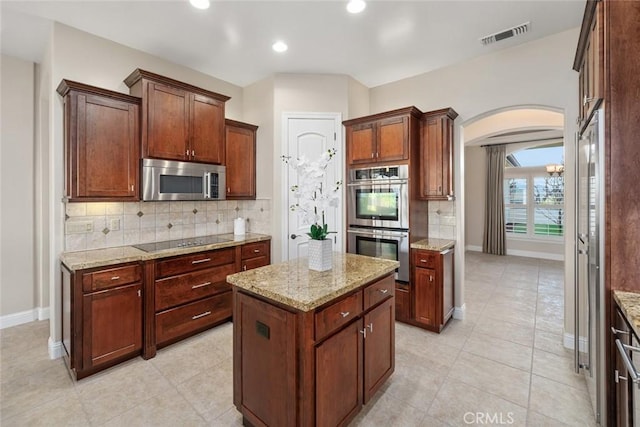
[(375, 182), (379, 233)]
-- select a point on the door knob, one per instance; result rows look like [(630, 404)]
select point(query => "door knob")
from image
[(293, 236)]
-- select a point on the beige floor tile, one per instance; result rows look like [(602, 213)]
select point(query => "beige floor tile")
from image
[(552, 343), (31, 391), (168, 409), (562, 402), (455, 333), (497, 328), (507, 352), (520, 281), (116, 391), (522, 295), (231, 418), (211, 394), (460, 404), (535, 419), (552, 324), (63, 411), (510, 315), (202, 355), (429, 421), (502, 304), (557, 368), (389, 411), (493, 377)]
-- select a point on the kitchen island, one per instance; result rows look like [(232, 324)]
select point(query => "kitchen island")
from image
[(310, 348)]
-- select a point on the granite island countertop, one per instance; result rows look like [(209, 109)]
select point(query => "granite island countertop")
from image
[(430, 244), (293, 284), (81, 260), (629, 303)]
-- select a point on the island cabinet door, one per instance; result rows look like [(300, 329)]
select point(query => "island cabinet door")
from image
[(339, 376), (379, 347)]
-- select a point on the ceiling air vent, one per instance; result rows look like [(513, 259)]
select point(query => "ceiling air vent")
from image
[(506, 34)]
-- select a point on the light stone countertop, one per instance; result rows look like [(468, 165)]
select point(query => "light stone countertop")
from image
[(629, 303), (293, 284), (433, 244), (110, 256)]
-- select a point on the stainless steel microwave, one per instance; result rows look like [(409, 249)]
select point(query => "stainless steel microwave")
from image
[(173, 180)]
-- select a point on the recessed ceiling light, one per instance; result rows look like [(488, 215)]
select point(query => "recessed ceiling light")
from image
[(200, 4), (280, 46), (356, 6)]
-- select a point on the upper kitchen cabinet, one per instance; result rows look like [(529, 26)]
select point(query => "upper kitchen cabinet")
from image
[(102, 143), (436, 155), (384, 137), (589, 62), (179, 121), (240, 149)]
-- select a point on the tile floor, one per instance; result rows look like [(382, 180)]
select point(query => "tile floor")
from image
[(504, 364)]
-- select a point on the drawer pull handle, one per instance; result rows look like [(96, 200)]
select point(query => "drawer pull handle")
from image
[(364, 332), (370, 326), (200, 261), (384, 291), (618, 331), (115, 277), (201, 285), (256, 251), (344, 313), (198, 316), (423, 260)]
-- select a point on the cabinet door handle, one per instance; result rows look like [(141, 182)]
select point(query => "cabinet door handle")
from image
[(198, 316), (139, 293), (193, 153), (200, 261), (115, 277), (619, 377), (244, 267), (377, 154), (131, 187), (364, 332), (431, 278), (615, 331), (228, 189), (384, 291), (187, 153), (370, 326), (201, 285), (344, 313)]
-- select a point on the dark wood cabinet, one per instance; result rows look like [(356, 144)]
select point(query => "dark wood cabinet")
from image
[(240, 149), (102, 136), (312, 368), (429, 295), (403, 301), (179, 121), (436, 155), (381, 138), (254, 255), (623, 384), (591, 69), (102, 317)]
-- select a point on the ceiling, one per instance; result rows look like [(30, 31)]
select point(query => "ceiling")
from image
[(231, 40)]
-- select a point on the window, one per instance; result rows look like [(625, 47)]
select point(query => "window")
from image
[(533, 199)]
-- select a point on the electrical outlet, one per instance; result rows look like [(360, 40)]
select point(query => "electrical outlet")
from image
[(78, 227), (114, 224)]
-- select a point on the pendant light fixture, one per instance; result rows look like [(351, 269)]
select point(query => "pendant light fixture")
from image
[(356, 6), (200, 4)]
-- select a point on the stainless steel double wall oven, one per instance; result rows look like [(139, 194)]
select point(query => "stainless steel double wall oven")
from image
[(378, 214)]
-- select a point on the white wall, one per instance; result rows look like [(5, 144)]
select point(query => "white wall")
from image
[(18, 290), (538, 72)]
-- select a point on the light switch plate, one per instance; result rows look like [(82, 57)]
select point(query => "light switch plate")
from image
[(114, 224), (78, 227)]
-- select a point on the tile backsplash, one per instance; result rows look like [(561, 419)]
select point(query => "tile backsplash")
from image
[(442, 220), (105, 225)]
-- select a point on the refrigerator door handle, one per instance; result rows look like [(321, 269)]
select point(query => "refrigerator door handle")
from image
[(576, 268)]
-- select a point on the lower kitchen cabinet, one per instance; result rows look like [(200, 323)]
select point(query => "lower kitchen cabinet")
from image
[(427, 301), (102, 317), (622, 332), (318, 367)]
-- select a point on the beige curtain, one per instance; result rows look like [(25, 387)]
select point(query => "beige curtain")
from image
[(494, 231)]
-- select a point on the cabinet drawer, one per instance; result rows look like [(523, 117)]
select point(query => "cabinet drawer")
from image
[(111, 278), (253, 250), (428, 259), (337, 314), (378, 291), (249, 264), (198, 261), (176, 290), (184, 320)]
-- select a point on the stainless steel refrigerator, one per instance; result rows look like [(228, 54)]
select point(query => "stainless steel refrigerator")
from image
[(589, 330)]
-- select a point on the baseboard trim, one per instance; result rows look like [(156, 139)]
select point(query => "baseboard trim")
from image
[(19, 318), (569, 342), (43, 313), (459, 312), (55, 349), (527, 254)]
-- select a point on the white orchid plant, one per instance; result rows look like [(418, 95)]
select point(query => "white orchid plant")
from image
[(312, 198)]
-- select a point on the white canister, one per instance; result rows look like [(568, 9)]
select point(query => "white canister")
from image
[(239, 226)]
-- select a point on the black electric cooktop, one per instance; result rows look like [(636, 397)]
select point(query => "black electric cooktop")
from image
[(181, 243)]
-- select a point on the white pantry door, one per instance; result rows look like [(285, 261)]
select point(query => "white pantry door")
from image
[(311, 134)]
